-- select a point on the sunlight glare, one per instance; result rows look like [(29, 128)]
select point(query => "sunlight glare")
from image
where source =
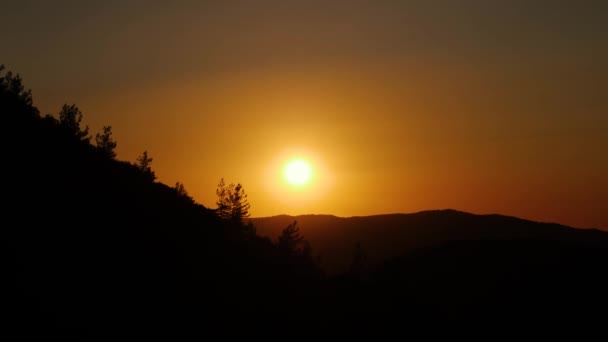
[(298, 172)]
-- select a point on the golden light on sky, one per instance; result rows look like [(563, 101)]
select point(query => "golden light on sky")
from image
[(396, 106), (294, 179), (298, 172)]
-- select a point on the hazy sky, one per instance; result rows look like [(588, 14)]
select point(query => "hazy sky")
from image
[(401, 106)]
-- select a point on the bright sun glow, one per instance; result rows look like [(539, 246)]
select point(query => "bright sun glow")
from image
[(298, 172)]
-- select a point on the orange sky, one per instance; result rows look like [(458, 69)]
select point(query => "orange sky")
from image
[(497, 108)]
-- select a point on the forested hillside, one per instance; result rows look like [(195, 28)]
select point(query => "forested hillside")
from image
[(96, 249)]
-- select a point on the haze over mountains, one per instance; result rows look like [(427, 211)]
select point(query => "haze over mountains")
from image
[(385, 236), (97, 249)]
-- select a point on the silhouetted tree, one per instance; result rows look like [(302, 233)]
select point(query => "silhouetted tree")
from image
[(223, 200), (306, 249), (232, 204), (70, 118), (181, 192), (143, 164), (105, 143), (12, 86), (357, 266), (180, 189), (13, 93), (240, 205), (290, 241)]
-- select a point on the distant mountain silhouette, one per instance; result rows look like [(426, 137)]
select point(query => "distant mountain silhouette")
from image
[(95, 249), (391, 235)]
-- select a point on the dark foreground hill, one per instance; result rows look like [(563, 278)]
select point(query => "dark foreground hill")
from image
[(95, 249), (386, 236)]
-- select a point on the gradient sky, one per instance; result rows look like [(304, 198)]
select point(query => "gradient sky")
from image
[(481, 106)]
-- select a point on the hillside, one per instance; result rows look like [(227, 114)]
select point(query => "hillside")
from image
[(386, 236), (96, 249)]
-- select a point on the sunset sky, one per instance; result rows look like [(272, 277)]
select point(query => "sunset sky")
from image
[(397, 106)]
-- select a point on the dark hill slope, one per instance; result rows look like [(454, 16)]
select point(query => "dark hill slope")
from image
[(95, 248)]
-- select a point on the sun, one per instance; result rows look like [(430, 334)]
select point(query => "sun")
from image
[(298, 179), (298, 172)]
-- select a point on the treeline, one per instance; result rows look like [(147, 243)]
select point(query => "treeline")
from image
[(96, 245), (232, 204)]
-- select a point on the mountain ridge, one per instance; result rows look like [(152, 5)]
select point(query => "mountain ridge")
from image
[(98, 249), (427, 211), (385, 236)]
